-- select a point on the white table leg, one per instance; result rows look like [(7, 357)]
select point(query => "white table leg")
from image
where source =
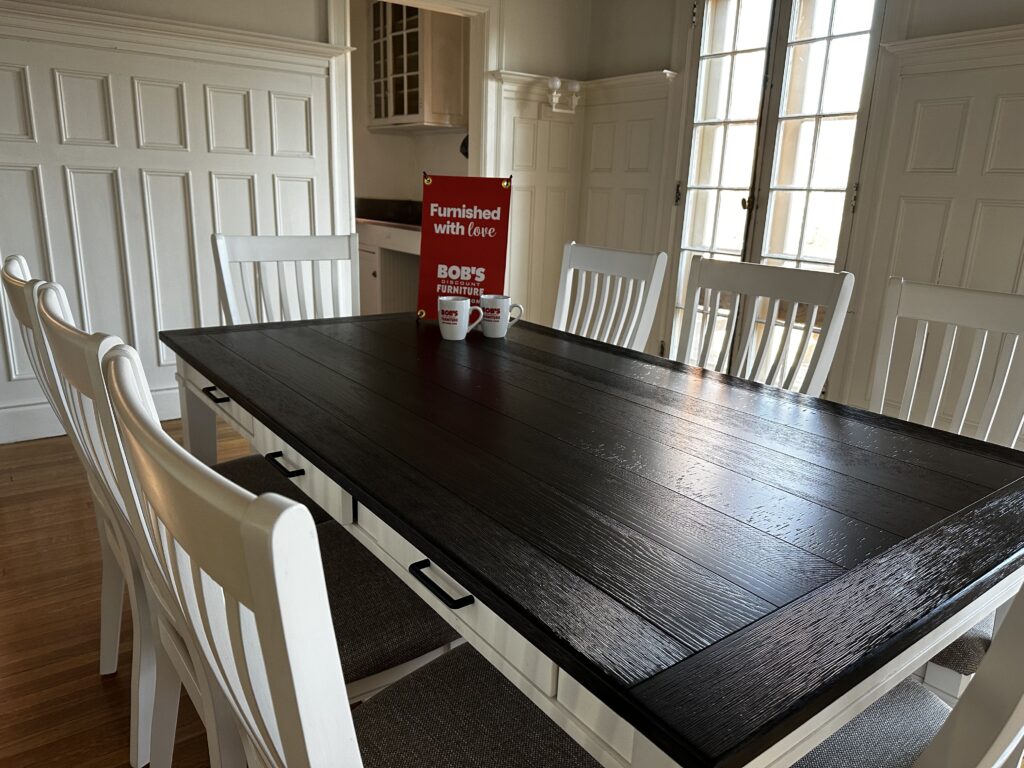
[(198, 423)]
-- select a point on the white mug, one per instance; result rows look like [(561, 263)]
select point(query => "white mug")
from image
[(497, 314), (453, 313)]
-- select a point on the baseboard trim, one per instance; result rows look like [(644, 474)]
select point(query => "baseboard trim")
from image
[(33, 421)]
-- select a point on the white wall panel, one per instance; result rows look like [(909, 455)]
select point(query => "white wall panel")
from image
[(171, 246), (85, 108), (120, 158), (161, 117), (16, 122), (23, 216), (229, 120), (99, 242)]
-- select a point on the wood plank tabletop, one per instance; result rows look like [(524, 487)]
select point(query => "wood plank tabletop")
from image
[(715, 559)]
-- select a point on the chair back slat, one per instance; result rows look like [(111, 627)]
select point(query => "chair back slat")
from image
[(941, 375), (998, 388), (783, 323), (942, 367), (914, 372), (805, 342), (269, 279), (247, 574), (612, 295), (778, 361)]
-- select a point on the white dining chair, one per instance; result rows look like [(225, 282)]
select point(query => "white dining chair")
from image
[(612, 295), (248, 575), (266, 279), (74, 357), (983, 329), (911, 726), (23, 294), (991, 323), (811, 307)]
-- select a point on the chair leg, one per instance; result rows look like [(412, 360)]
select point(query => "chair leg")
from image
[(165, 710), (144, 672), (111, 606)]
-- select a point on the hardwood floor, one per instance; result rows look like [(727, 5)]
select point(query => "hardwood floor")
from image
[(55, 709)]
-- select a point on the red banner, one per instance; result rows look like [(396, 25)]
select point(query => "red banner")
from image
[(464, 238)]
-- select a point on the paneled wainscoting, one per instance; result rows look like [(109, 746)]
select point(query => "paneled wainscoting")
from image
[(122, 150)]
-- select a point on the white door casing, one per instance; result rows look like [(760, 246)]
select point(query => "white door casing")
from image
[(121, 151), (949, 205)]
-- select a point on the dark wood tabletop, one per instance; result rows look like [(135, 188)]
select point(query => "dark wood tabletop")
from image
[(715, 559)]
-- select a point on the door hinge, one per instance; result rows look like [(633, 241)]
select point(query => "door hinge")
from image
[(853, 197), (693, 17), (679, 193)]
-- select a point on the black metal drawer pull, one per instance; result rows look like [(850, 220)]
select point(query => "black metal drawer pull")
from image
[(208, 391), (273, 457), (417, 570)]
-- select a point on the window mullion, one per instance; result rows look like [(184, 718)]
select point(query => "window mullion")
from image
[(768, 128)]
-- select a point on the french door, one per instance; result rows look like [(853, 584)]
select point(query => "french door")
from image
[(777, 95)]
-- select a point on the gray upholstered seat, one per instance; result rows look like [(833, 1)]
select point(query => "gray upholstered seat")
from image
[(256, 475), (964, 654), (459, 712), (378, 621), (891, 733)]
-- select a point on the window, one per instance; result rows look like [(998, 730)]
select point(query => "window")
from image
[(777, 95)]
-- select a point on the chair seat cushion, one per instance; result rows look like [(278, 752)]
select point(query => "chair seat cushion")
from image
[(964, 654), (891, 733), (257, 475), (378, 621), (459, 712)]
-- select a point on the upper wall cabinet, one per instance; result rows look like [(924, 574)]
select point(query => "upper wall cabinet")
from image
[(420, 72)]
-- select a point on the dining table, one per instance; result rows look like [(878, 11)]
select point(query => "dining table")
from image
[(680, 567)]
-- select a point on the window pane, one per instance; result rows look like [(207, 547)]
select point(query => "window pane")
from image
[(845, 76), (719, 26), (785, 219), (738, 160), (852, 16), (832, 155), (732, 220), (700, 218), (755, 20), (805, 65), (793, 152), (713, 88), (706, 157), (811, 18), (747, 85), (824, 218)]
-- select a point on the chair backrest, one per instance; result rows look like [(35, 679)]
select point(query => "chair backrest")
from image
[(248, 576), (265, 279), (750, 299), (23, 296), (76, 357), (613, 295), (991, 323)]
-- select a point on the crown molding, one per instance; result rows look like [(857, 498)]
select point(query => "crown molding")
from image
[(639, 87), (55, 22), (960, 50)]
